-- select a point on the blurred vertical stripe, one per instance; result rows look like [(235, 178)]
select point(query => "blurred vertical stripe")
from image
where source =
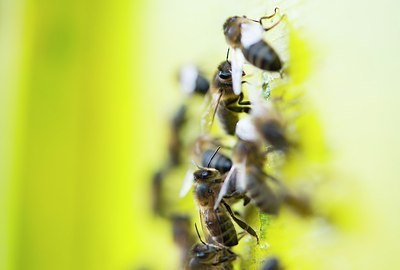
[(68, 114)]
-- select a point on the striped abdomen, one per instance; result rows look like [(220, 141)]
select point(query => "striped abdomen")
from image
[(228, 119), (260, 193), (220, 227), (261, 55)]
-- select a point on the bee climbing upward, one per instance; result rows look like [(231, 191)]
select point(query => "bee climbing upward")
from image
[(245, 35)]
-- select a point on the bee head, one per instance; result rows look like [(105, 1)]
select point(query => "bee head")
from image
[(225, 71), (203, 252), (231, 29), (204, 174)]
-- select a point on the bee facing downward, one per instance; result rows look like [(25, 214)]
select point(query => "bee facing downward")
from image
[(249, 159), (225, 103), (219, 226), (205, 256), (245, 37)]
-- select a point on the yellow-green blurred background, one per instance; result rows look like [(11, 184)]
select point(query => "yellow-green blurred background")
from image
[(85, 88)]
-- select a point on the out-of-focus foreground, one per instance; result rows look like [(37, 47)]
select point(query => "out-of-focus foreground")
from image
[(85, 88)]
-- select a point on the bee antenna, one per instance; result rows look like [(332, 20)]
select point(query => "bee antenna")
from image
[(227, 54), (216, 151), (198, 234)]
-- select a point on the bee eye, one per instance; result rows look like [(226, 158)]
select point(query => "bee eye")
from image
[(205, 174), (200, 255), (224, 75)]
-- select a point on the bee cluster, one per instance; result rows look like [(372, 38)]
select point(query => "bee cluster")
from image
[(230, 172)]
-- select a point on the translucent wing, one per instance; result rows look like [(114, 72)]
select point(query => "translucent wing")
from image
[(187, 183), (207, 118), (246, 130), (241, 175), (225, 186), (251, 33), (259, 107), (237, 70)]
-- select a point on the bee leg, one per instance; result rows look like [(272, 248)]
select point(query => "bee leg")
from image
[(275, 24), (225, 259), (241, 223), (269, 16), (239, 195), (241, 102), (241, 235), (239, 109), (237, 213), (246, 200)]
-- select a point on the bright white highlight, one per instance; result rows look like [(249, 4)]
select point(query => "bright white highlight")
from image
[(237, 70), (251, 34), (246, 130), (187, 79)]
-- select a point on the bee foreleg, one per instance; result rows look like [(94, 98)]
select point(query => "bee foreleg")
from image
[(241, 102), (241, 223), (238, 109), (269, 16), (225, 259), (275, 24)]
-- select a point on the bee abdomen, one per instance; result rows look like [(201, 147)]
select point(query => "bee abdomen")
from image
[(262, 196), (223, 232), (202, 85), (261, 55), (228, 120), (273, 133)]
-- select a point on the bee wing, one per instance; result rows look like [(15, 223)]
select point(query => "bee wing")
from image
[(187, 80), (207, 119), (187, 183), (241, 177), (246, 130), (225, 186), (237, 70), (251, 33)]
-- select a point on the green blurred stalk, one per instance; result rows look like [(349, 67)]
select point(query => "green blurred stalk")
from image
[(67, 119)]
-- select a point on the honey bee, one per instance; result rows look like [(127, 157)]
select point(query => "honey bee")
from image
[(248, 160), (182, 235), (175, 143), (205, 256), (245, 37), (192, 80), (205, 150), (272, 264), (225, 103), (207, 185), (267, 122)]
